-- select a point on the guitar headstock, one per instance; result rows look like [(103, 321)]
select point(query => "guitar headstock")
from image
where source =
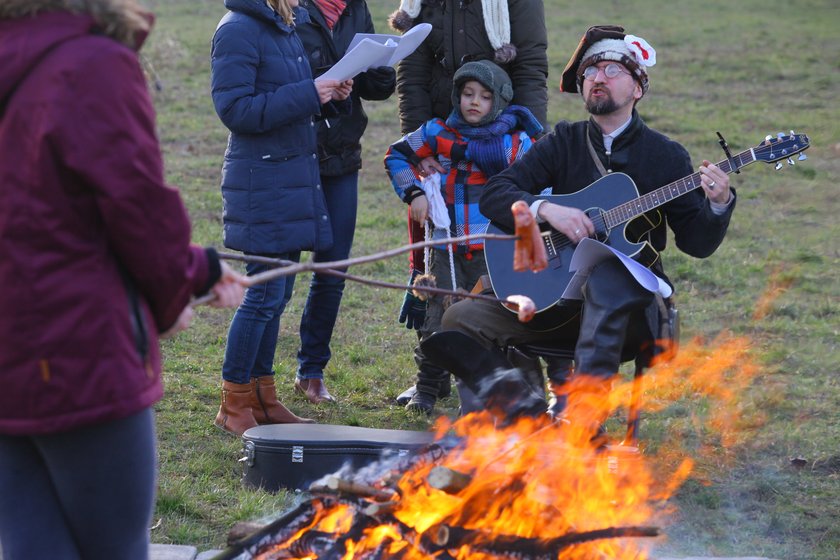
[(782, 146)]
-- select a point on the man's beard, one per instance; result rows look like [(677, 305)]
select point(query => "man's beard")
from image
[(604, 105)]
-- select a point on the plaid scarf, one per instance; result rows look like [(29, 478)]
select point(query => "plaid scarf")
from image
[(331, 10), (486, 145)]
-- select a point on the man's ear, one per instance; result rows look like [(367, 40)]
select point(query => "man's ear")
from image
[(638, 92)]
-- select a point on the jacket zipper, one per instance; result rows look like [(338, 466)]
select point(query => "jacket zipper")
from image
[(138, 321)]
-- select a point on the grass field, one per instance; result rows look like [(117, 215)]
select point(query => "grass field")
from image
[(746, 69)]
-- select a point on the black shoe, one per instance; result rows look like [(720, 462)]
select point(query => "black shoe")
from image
[(444, 392), (421, 402), (406, 395)]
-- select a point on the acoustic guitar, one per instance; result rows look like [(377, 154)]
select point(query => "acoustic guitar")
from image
[(621, 218)]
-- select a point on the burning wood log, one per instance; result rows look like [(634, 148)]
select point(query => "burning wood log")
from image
[(448, 480), (447, 536), (336, 485), (380, 508)]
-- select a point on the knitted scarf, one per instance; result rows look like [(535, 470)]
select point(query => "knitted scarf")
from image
[(331, 10), (486, 144)]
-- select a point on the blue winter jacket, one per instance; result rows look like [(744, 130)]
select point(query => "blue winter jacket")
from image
[(264, 94)]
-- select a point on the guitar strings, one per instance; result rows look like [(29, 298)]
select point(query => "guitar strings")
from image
[(618, 214)]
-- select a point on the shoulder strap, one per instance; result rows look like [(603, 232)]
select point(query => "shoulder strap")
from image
[(594, 155)]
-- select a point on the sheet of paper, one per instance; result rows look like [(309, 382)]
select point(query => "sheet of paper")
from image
[(403, 45), (365, 54), (371, 50), (409, 42), (590, 252)]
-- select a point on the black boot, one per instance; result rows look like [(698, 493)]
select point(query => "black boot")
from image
[(531, 368), (611, 299), (429, 380), (484, 373), (444, 392)]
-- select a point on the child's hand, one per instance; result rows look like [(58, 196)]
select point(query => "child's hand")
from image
[(428, 166), (413, 310), (420, 209)]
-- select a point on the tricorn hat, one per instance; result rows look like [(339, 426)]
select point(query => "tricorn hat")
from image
[(608, 42)]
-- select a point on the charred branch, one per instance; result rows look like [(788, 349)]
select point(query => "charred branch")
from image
[(278, 531), (444, 536)]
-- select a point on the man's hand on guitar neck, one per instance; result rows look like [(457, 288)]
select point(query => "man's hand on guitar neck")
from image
[(571, 222), (715, 183)]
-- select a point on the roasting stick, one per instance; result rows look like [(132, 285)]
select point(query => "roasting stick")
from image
[(528, 255), (288, 268), (361, 279)]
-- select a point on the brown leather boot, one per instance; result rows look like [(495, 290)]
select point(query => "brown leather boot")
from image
[(314, 390), (265, 406), (235, 414)]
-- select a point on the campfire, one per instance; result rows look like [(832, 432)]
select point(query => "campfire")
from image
[(526, 487)]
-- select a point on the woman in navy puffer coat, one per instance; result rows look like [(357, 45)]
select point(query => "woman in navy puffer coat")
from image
[(264, 93)]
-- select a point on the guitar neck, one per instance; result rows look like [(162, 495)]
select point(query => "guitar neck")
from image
[(638, 206)]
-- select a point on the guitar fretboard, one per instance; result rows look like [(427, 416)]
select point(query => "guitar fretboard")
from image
[(636, 207)]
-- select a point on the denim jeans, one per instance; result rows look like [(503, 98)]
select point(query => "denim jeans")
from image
[(321, 311), (85, 494), (252, 337)]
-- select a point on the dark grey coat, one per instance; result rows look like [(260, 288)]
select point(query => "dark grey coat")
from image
[(424, 78)]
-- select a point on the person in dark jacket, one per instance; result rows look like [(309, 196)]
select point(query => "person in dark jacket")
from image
[(510, 33), (610, 70), (274, 205), (95, 263), (326, 35)]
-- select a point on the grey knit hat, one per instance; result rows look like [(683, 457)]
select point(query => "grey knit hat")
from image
[(489, 75)]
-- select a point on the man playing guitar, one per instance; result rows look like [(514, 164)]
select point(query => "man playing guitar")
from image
[(609, 69)]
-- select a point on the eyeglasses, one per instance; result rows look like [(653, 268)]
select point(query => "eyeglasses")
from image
[(611, 71)]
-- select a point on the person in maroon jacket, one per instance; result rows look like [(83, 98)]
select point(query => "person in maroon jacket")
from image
[(95, 263)]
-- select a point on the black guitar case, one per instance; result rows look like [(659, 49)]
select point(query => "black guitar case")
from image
[(292, 456)]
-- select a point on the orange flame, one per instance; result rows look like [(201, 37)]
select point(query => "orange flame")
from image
[(539, 479), (779, 284)]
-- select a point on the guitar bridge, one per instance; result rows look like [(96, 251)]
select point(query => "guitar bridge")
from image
[(549, 244)]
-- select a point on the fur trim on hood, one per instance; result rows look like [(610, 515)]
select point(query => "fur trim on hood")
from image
[(123, 20)]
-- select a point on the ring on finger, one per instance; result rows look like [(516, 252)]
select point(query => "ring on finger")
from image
[(712, 185)]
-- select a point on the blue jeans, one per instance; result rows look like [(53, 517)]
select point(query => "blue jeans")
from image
[(321, 311), (252, 337), (85, 494)]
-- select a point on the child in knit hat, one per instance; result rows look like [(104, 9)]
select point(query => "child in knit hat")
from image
[(481, 137)]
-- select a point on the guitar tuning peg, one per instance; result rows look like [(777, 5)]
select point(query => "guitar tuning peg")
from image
[(778, 166), (780, 134), (768, 138), (792, 133), (802, 156), (790, 161)]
